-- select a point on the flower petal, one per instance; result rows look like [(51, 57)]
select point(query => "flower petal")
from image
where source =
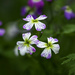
[(53, 40), (20, 43), (34, 39), (41, 44), (16, 51), (2, 31), (56, 48), (46, 53), (28, 26), (31, 49), (23, 50), (26, 35), (67, 15), (40, 26), (42, 17), (28, 18)]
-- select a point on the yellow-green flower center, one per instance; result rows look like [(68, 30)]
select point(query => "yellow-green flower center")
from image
[(27, 42), (34, 21), (68, 9), (49, 45)]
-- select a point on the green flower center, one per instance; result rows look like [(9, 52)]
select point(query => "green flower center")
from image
[(27, 42), (34, 21), (49, 45)]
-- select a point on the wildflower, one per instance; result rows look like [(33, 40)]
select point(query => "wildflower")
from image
[(24, 10), (35, 3), (2, 31), (31, 21), (26, 45), (68, 13), (48, 46)]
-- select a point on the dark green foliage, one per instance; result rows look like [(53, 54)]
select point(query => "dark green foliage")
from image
[(57, 26)]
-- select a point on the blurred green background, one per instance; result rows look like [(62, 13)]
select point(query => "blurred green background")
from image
[(57, 26)]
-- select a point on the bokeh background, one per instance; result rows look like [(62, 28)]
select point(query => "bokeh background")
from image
[(57, 26)]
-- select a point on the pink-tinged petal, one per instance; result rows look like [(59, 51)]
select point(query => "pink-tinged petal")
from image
[(34, 39), (28, 26), (26, 35), (46, 53), (2, 32), (42, 44), (39, 26), (52, 40), (56, 48), (28, 18), (42, 17)]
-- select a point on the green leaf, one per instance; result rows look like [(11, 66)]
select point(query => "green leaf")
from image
[(69, 29)]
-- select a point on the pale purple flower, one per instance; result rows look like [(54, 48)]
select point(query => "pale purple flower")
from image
[(26, 45), (0, 23), (35, 3), (24, 10), (68, 13), (2, 31), (48, 47), (31, 21)]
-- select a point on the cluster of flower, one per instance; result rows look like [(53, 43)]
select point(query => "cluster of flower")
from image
[(2, 31), (26, 45), (37, 5)]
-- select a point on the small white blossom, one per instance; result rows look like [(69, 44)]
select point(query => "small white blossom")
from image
[(48, 47), (31, 21), (26, 45)]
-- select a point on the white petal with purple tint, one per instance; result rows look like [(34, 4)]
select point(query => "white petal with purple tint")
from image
[(26, 35), (46, 53), (52, 40), (20, 42), (34, 39), (41, 44), (56, 48), (28, 18), (42, 17), (31, 49), (28, 26), (39, 26), (23, 50)]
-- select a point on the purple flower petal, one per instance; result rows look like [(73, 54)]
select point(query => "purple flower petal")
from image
[(36, 4), (49, 56), (2, 32), (23, 11), (68, 15), (0, 23)]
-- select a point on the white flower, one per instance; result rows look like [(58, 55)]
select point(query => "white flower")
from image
[(26, 45), (31, 21), (48, 46)]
